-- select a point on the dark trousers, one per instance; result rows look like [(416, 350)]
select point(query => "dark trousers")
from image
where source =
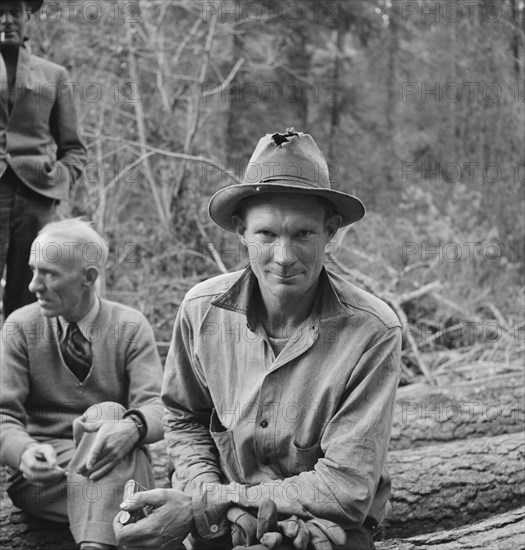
[(23, 212)]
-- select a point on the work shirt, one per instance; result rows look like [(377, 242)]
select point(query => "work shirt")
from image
[(309, 428)]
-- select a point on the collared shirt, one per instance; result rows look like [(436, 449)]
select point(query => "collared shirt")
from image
[(308, 428), (85, 324)]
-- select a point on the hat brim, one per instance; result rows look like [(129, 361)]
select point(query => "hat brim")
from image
[(224, 202)]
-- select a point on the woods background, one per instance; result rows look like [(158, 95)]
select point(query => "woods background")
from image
[(418, 107)]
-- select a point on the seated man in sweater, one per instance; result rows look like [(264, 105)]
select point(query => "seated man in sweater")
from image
[(79, 390)]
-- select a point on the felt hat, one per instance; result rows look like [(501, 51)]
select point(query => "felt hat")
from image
[(34, 5), (284, 163)]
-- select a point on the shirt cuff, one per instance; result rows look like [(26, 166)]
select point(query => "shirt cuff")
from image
[(210, 503)]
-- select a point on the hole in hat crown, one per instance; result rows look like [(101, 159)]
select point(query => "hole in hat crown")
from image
[(282, 138)]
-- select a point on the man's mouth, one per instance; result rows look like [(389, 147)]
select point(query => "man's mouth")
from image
[(285, 275)]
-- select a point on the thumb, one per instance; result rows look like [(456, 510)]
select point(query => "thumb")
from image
[(155, 497), (91, 427), (49, 455)]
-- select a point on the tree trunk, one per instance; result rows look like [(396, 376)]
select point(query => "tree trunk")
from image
[(426, 415), (453, 484), (501, 532)]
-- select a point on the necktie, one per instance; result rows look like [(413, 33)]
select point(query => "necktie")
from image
[(76, 351)]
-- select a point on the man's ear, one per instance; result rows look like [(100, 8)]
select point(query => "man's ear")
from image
[(332, 225), (91, 275), (240, 227)]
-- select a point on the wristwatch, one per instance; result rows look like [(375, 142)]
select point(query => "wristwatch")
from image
[(140, 422)]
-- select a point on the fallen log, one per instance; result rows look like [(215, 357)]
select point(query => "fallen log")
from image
[(19, 531), (453, 484), (501, 532), (435, 487), (425, 415)]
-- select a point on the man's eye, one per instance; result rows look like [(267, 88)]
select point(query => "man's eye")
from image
[(266, 233), (304, 234)]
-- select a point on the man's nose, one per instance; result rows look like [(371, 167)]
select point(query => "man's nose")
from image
[(284, 252), (36, 283)]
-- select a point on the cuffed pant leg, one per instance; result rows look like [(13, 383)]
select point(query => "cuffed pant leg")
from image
[(92, 505), (49, 503)]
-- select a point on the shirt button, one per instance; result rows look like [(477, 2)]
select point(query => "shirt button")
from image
[(214, 528), (264, 424)]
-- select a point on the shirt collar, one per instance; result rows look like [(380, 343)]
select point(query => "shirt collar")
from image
[(85, 323), (243, 296)]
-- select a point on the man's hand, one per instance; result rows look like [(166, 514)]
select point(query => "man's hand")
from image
[(267, 532), (114, 440), (38, 464), (165, 527)]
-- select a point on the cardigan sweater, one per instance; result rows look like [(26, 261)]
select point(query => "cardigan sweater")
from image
[(40, 397)]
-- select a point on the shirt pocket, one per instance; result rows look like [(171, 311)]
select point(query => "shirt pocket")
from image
[(303, 459), (225, 443)]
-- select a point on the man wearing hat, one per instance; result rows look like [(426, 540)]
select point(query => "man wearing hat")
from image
[(41, 154), (281, 379)]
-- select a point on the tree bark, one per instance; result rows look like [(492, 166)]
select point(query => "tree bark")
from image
[(426, 415), (448, 485), (501, 532)]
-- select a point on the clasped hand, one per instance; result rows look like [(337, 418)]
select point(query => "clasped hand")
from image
[(166, 526), (266, 532)]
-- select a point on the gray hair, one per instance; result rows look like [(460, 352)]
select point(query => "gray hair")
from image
[(82, 238)]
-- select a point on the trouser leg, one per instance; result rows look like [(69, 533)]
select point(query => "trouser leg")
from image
[(92, 506), (28, 214), (28, 217), (7, 197)]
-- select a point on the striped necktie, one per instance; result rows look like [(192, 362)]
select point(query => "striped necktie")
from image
[(76, 351)]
